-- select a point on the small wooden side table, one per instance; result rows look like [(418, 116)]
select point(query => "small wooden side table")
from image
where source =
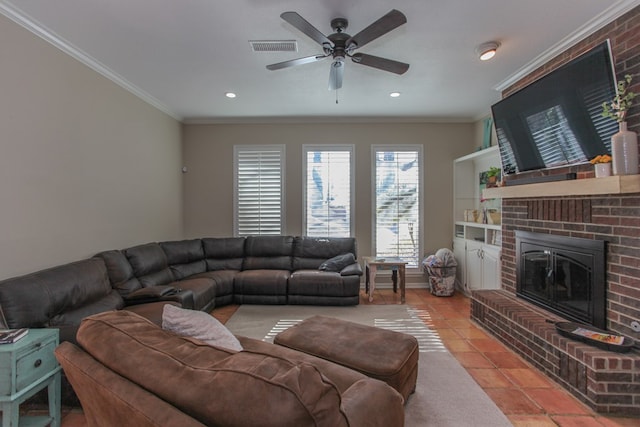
[(26, 367), (397, 267)]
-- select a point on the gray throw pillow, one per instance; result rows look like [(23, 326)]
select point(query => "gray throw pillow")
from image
[(337, 263), (199, 325)]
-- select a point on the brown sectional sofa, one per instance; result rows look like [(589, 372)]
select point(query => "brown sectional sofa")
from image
[(264, 384), (196, 273)]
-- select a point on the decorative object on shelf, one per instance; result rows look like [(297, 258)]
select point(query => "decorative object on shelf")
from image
[(486, 137), (493, 175), (624, 144), (617, 109), (470, 215), (602, 165), (493, 216), (489, 179), (624, 149)]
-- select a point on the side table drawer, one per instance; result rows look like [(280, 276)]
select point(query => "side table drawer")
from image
[(27, 361), (35, 364)]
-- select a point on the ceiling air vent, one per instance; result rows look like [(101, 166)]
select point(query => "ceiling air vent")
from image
[(274, 45)]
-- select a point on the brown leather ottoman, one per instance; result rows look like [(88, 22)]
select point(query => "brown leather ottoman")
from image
[(378, 353)]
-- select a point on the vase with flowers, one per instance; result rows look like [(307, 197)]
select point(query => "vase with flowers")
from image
[(624, 144), (602, 165)]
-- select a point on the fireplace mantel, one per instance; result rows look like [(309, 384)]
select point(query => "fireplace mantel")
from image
[(621, 184)]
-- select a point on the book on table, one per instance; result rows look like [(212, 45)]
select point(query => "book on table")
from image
[(9, 336)]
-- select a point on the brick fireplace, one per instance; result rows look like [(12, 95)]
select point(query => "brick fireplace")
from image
[(608, 382)]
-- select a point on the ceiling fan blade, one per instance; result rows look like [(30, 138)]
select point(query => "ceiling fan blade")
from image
[(335, 75), (303, 25), (294, 62), (380, 63), (382, 26)]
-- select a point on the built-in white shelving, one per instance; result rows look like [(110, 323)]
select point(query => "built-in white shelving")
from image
[(476, 243)]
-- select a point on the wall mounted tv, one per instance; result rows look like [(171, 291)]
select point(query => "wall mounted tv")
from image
[(557, 120)]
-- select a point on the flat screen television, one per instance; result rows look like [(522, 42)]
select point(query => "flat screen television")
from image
[(557, 120)]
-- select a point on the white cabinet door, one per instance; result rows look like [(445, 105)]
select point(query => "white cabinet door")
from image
[(473, 262), (482, 266), (459, 251), (491, 267)]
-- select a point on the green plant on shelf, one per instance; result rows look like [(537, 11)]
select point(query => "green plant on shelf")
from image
[(493, 171)]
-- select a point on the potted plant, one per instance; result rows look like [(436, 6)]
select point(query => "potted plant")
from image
[(602, 165), (492, 176)]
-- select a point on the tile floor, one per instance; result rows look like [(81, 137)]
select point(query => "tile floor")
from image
[(525, 396)]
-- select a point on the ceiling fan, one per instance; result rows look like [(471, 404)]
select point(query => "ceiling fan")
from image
[(340, 45)]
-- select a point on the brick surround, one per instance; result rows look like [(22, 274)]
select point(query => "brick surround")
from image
[(608, 382)]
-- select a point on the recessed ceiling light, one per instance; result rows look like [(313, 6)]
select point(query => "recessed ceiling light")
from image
[(230, 95), (394, 94), (487, 50)]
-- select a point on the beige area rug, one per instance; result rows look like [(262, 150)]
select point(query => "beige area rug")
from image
[(446, 395)]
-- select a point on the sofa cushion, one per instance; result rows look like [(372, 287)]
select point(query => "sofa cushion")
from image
[(31, 301), (222, 278), (268, 253), (341, 376), (149, 264), (319, 283), (108, 399), (120, 272), (310, 252), (223, 253), (337, 263), (185, 257), (267, 286), (151, 311), (203, 289), (111, 301), (199, 325), (214, 385)]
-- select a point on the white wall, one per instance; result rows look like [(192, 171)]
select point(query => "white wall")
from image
[(84, 165), (208, 154)]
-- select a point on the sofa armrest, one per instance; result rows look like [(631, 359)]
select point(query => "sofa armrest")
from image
[(374, 404), (160, 293), (352, 270), (151, 292)]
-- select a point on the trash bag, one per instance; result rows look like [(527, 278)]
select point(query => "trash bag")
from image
[(441, 272)]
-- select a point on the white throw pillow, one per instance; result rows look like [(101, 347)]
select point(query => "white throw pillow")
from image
[(199, 325)]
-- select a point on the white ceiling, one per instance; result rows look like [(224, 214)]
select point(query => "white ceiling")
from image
[(183, 55)]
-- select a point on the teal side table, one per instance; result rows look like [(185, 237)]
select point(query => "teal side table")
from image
[(26, 367)]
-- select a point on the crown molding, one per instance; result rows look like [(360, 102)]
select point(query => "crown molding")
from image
[(25, 21), (605, 18)]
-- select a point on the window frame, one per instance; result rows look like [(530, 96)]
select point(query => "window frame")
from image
[(376, 148), (350, 148), (237, 150)]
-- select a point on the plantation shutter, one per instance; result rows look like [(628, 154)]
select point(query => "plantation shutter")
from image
[(259, 196), (328, 192), (397, 205)]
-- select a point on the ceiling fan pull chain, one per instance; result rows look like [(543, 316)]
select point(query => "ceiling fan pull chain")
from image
[(336, 96)]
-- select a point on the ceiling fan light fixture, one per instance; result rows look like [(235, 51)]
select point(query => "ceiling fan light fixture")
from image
[(487, 50)]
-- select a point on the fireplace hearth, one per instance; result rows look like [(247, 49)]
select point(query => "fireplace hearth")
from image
[(565, 275)]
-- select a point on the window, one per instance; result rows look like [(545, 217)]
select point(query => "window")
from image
[(397, 202), (328, 189), (259, 196)]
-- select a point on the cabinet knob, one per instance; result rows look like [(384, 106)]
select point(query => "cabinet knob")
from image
[(37, 363)]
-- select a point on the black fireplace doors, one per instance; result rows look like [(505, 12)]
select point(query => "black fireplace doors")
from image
[(565, 275)]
